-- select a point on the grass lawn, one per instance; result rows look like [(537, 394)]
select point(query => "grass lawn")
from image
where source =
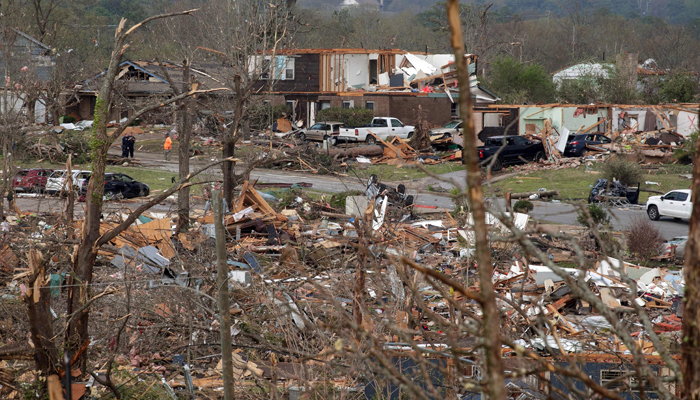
[(387, 173), (573, 183), (155, 179)]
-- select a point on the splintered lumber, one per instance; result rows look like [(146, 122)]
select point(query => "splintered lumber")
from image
[(251, 198), (367, 151), (593, 126), (157, 233), (525, 195)]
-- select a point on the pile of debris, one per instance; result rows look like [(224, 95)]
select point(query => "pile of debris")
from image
[(292, 271)]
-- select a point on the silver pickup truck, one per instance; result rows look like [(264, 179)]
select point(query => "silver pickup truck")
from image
[(381, 127)]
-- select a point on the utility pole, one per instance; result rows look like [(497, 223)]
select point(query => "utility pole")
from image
[(222, 283)]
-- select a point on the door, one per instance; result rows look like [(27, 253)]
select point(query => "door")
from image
[(669, 206), (314, 132), (381, 130), (525, 148), (311, 114), (513, 149), (684, 205), (397, 129)]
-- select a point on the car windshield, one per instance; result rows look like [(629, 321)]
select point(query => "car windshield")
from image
[(317, 127), (57, 174), (22, 173), (451, 124)]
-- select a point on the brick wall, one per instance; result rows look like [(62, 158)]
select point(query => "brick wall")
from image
[(405, 108)]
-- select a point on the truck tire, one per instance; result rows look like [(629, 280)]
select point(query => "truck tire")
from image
[(302, 137), (410, 135), (539, 156), (497, 165), (653, 213), (370, 140), (334, 141)]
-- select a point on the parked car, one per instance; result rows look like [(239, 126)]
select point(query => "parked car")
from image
[(517, 150), (55, 182), (121, 184), (679, 243), (447, 130), (676, 203), (381, 127), (322, 131), (601, 191), (576, 144), (450, 133), (31, 180)]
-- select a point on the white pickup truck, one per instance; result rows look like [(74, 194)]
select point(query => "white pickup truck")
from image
[(676, 203), (381, 127)]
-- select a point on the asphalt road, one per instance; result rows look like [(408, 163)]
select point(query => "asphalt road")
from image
[(560, 213)]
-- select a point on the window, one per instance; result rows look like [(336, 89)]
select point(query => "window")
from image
[(604, 139), (289, 69), (325, 105), (282, 68), (680, 196), (379, 123), (454, 110), (266, 64), (396, 123), (369, 105), (266, 102), (57, 174), (291, 105), (613, 378), (316, 127), (349, 104), (670, 196)]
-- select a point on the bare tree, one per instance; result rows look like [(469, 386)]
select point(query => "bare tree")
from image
[(86, 252), (245, 37)]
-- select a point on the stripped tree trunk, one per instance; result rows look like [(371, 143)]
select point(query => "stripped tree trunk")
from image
[(691, 294), (101, 140), (491, 335), (229, 149), (185, 133), (38, 301)]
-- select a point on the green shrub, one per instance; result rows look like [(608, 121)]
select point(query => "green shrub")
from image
[(523, 206), (593, 216), (338, 199), (348, 116), (67, 119), (626, 172)]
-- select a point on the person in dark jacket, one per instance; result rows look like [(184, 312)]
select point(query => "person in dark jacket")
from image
[(125, 145), (130, 142)]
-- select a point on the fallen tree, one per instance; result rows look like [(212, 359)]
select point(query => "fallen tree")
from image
[(526, 195)]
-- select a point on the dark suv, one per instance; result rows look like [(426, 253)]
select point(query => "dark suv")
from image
[(517, 150), (31, 180), (576, 144), (121, 185)]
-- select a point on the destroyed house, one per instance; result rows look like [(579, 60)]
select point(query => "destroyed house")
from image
[(138, 82), (25, 52), (615, 373), (391, 82)]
